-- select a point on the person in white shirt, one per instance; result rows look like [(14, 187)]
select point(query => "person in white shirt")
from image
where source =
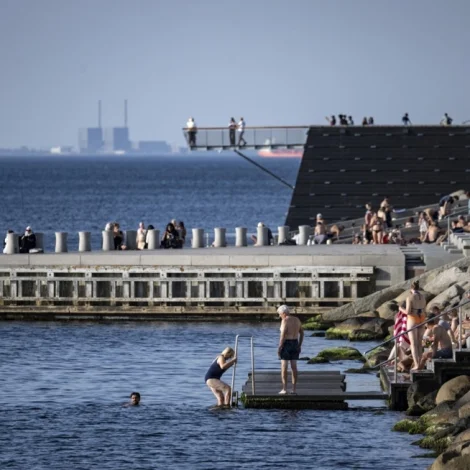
[(192, 131), (241, 130)]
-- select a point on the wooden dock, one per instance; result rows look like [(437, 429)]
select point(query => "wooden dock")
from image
[(315, 390)]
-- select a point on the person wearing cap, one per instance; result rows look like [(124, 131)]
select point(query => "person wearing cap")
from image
[(290, 344), (27, 241)]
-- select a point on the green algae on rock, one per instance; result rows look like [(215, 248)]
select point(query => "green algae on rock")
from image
[(341, 354)]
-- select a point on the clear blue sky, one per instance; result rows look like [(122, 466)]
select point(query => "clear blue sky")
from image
[(276, 62)]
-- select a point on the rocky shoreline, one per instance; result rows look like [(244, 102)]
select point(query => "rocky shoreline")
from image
[(443, 411)]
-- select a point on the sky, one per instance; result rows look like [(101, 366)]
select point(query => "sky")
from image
[(274, 62)]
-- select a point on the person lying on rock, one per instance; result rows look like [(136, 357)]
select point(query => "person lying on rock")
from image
[(441, 347)]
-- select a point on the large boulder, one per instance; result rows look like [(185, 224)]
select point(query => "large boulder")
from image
[(448, 297), (376, 325), (455, 457), (388, 310), (462, 437), (417, 391), (463, 400), (453, 389), (445, 280), (373, 301), (365, 335), (464, 411)]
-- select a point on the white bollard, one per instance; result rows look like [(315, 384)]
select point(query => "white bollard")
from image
[(131, 239), (61, 242), (262, 236), (39, 241), (10, 248), (304, 233), (108, 240), (219, 237), (282, 234), (153, 237), (17, 242), (84, 241), (240, 236), (198, 238)]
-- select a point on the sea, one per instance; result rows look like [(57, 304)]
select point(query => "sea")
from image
[(64, 383)]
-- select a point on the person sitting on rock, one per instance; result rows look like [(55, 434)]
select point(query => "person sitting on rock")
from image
[(27, 241), (441, 347)]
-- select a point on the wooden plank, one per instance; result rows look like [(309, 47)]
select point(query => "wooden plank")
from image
[(324, 396)]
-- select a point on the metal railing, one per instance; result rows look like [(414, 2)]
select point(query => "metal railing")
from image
[(235, 367), (271, 137), (445, 312)]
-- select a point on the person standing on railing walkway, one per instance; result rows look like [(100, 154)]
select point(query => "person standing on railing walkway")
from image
[(192, 131), (415, 310), (406, 120), (241, 131), (290, 346), (232, 127)]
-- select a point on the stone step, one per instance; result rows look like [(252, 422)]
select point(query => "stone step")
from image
[(462, 356)]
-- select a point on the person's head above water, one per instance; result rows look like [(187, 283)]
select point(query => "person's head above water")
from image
[(135, 398)]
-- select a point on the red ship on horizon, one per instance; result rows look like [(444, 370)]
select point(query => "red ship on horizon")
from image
[(280, 153)]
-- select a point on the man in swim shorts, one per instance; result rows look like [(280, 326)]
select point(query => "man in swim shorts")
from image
[(290, 343), (441, 344)]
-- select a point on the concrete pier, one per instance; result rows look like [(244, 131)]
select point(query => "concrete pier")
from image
[(247, 282)]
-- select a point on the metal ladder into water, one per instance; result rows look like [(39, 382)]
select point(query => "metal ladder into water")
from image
[(234, 401)]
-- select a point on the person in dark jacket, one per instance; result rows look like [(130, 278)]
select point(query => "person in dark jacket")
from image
[(27, 241), (171, 238)]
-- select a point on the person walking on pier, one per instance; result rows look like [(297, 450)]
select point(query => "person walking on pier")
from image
[(27, 241), (406, 120), (415, 307), (141, 236), (221, 363), (290, 345), (241, 130)]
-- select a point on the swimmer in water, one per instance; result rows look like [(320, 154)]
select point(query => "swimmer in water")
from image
[(134, 399)]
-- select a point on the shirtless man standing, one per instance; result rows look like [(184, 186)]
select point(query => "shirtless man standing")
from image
[(441, 345), (290, 343)]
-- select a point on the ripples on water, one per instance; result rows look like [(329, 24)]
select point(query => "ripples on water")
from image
[(63, 386)]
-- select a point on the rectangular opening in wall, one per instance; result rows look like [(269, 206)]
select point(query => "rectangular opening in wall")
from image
[(331, 289), (28, 288), (181, 274), (292, 289), (256, 274), (141, 290), (347, 290), (178, 289), (157, 290), (81, 289), (30, 274), (229, 275), (142, 275), (119, 293), (44, 292), (65, 289), (306, 275), (194, 289), (216, 289), (255, 289), (67, 274), (103, 289), (108, 275)]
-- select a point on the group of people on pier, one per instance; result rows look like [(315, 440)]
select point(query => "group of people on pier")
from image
[(344, 120), (431, 335), (234, 127)]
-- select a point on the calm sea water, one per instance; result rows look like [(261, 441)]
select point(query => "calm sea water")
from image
[(84, 193), (63, 386)]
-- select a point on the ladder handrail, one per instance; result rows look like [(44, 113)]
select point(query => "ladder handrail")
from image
[(235, 365)]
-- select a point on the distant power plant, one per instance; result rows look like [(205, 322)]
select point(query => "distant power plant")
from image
[(116, 139)]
